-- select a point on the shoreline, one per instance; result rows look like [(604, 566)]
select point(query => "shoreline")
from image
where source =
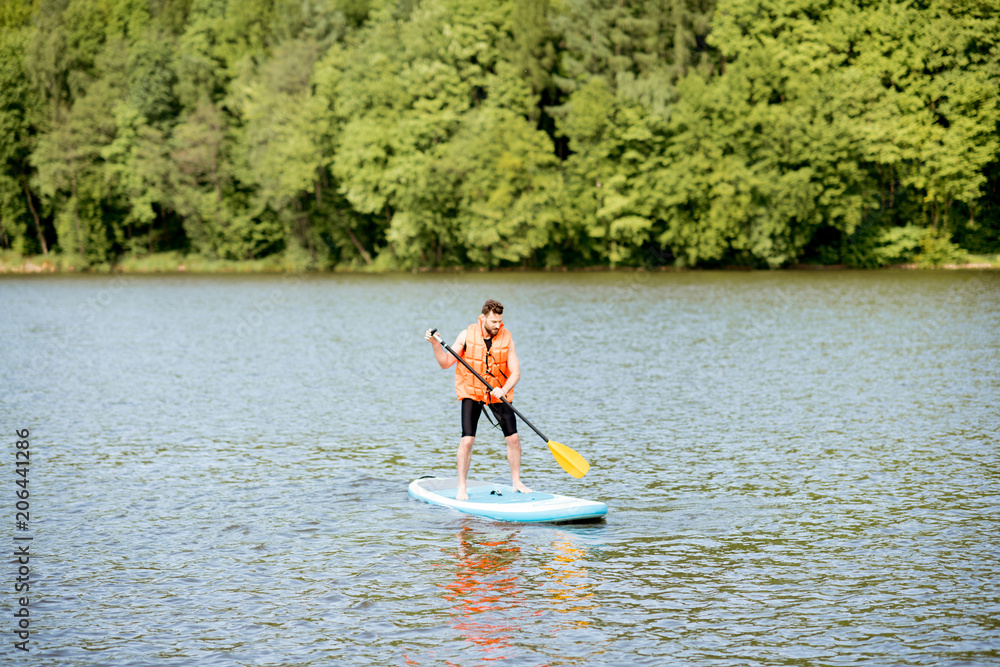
[(183, 265)]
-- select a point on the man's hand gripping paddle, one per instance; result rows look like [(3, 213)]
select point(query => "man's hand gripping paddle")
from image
[(571, 462)]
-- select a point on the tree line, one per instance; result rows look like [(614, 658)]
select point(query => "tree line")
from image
[(494, 133)]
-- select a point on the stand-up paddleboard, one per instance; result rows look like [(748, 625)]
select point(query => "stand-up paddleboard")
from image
[(503, 503)]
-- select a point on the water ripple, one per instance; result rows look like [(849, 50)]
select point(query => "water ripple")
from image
[(800, 469)]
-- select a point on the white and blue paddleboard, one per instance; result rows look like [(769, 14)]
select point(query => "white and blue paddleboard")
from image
[(503, 503)]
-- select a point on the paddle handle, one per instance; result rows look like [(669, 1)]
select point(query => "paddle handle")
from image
[(488, 385)]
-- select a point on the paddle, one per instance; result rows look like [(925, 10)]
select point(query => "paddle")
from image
[(571, 462)]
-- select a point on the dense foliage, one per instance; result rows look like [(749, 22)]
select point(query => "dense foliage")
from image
[(412, 133)]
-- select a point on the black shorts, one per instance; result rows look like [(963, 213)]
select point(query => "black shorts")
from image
[(501, 411)]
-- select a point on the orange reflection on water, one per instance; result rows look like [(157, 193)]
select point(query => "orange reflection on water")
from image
[(485, 590), (569, 580), (484, 582)]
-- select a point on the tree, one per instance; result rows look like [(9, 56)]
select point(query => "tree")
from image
[(70, 168), (19, 107), (894, 103), (138, 168), (278, 153)]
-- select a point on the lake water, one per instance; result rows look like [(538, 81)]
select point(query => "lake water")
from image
[(800, 468)]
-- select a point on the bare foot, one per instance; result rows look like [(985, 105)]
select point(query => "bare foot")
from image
[(461, 495), (521, 488)]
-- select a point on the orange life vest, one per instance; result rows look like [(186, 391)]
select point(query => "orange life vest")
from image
[(491, 364)]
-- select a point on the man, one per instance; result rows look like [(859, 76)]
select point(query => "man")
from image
[(488, 347)]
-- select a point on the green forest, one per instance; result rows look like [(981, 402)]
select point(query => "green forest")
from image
[(416, 134)]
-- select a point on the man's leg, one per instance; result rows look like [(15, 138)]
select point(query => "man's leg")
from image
[(464, 457), (514, 458), (508, 422), (470, 418)]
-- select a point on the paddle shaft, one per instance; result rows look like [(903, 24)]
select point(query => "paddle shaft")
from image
[(488, 385)]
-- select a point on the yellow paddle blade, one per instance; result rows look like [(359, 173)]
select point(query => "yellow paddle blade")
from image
[(571, 462)]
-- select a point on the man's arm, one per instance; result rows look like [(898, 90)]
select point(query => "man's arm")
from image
[(514, 366), (442, 355)]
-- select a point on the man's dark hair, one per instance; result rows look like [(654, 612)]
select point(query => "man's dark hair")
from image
[(492, 306)]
